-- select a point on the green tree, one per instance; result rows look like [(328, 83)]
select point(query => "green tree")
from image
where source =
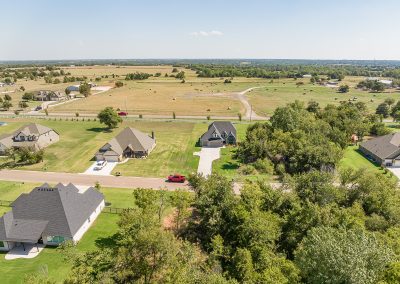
[(84, 89), (343, 89), (383, 109), (7, 105), (109, 117), (329, 255)]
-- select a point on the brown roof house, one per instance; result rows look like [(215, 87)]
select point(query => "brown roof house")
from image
[(129, 143), (384, 150), (34, 136)]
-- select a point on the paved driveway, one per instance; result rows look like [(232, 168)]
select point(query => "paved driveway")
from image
[(395, 171), (207, 156), (106, 171)]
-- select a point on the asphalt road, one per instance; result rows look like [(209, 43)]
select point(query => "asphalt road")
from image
[(89, 180)]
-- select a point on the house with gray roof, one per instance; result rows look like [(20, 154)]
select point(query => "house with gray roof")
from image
[(50, 215), (33, 135), (219, 133), (384, 150), (129, 143), (49, 96)]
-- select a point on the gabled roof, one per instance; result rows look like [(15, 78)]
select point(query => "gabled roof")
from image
[(33, 129), (54, 211), (383, 146), (132, 138), (219, 127), (6, 140)]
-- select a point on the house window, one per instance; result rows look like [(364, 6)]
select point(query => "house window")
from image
[(2, 244)]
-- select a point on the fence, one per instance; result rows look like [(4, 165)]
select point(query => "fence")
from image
[(113, 210)]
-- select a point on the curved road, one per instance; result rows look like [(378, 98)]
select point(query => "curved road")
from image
[(250, 113)]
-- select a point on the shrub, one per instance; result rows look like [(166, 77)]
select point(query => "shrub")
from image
[(119, 84), (264, 166), (247, 170)]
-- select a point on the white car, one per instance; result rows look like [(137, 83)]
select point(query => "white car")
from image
[(100, 165)]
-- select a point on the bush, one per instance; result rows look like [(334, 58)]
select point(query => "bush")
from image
[(247, 170), (264, 166), (27, 97), (119, 84)]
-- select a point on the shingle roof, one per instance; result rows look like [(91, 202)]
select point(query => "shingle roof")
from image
[(33, 129), (54, 211), (132, 138), (6, 140), (383, 146), (219, 127)]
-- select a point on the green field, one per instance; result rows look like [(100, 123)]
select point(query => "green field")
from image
[(79, 141), (280, 92)]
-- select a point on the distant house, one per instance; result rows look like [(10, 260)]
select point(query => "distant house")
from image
[(219, 133), (49, 96), (75, 88), (307, 76), (129, 143), (50, 215), (384, 150), (34, 136), (2, 84)]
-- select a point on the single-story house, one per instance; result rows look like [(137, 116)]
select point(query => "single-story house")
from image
[(219, 133), (2, 84), (49, 96), (34, 136), (50, 215), (384, 150), (129, 143)]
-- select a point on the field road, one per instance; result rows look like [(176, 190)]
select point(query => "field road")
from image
[(250, 113), (89, 180)]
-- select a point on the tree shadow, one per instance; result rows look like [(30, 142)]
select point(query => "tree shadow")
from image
[(106, 242), (230, 166), (99, 129)]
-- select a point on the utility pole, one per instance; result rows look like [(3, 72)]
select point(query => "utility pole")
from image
[(251, 111)]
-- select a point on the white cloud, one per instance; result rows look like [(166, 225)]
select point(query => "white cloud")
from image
[(210, 33)]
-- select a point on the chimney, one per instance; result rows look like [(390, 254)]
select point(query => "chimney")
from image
[(152, 134)]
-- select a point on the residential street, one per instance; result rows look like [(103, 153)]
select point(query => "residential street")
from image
[(88, 180)]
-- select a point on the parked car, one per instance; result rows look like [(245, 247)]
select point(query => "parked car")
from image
[(176, 178), (38, 108), (100, 165), (122, 113)]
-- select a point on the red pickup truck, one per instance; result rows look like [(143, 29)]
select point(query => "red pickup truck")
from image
[(176, 178)]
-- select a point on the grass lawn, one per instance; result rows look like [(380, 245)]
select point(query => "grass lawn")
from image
[(79, 141), (176, 143), (355, 160)]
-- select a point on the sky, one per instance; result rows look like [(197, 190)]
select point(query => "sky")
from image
[(165, 29)]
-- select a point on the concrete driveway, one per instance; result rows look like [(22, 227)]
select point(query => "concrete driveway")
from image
[(207, 156), (395, 171), (106, 171)]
